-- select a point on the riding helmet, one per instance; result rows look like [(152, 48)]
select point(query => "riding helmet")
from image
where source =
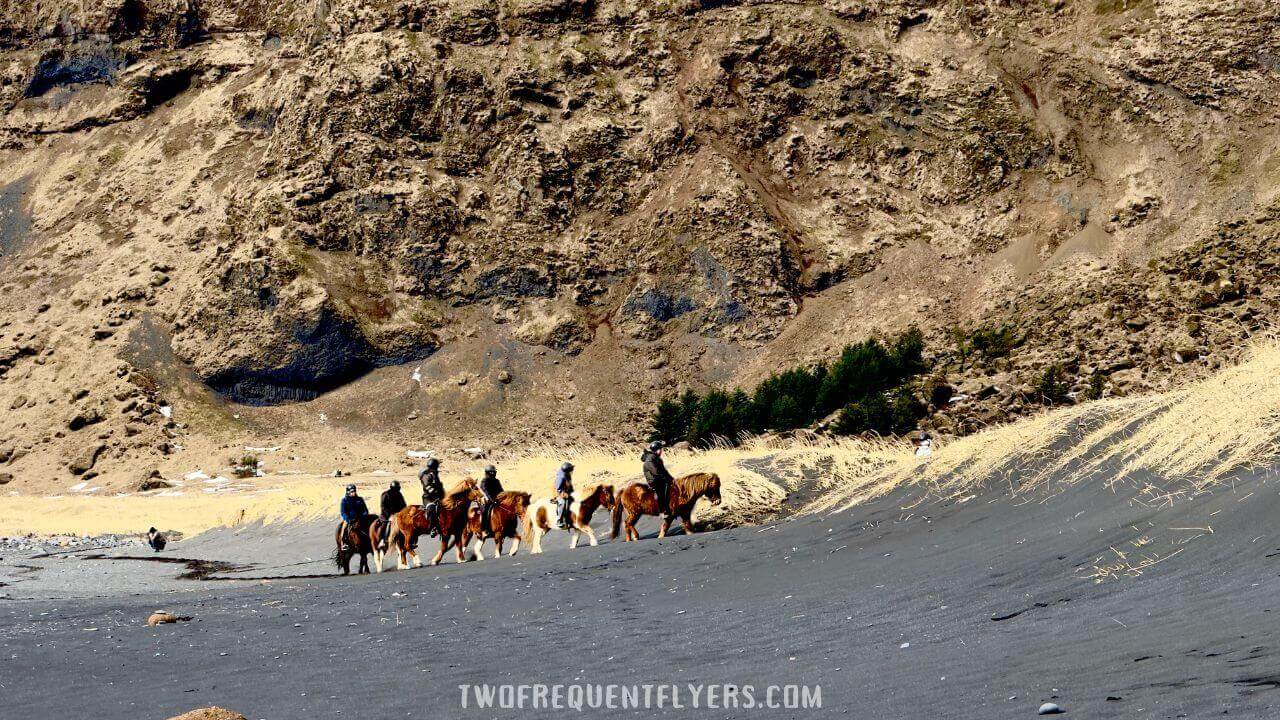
[(351, 487), (395, 484), (490, 470), (433, 462), (567, 467), (657, 445)]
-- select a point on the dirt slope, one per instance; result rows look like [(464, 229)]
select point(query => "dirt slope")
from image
[(227, 223)]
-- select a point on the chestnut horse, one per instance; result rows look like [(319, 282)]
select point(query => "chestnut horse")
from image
[(354, 541), (412, 523), (542, 517), (639, 499), (504, 522)]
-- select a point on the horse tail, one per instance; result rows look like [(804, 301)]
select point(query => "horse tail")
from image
[(337, 550), (617, 515)]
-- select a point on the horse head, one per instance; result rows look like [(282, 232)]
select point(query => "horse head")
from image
[(604, 493), (711, 488)]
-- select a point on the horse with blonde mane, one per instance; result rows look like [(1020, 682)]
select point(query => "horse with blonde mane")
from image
[(639, 499), (503, 522), (542, 516), (412, 523)]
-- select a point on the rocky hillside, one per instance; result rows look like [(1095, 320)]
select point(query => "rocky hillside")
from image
[(447, 222)]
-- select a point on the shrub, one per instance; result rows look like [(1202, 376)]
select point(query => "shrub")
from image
[(245, 467), (1097, 386), (857, 382), (1052, 387), (995, 342), (895, 412)]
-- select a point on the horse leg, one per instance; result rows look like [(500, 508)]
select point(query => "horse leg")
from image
[(591, 534), (666, 525), (498, 540), (515, 545), (686, 521), (477, 549), (444, 545), (632, 533), (462, 556), (573, 537)]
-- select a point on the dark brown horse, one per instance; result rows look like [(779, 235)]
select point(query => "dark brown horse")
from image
[(504, 522), (639, 499), (412, 523), (353, 539)]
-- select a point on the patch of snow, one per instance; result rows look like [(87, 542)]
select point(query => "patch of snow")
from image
[(250, 448), (79, 486), (417, 375), (166, 411), (193, 476), (419, 453)]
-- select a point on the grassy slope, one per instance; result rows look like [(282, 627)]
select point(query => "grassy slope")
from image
[(1170, 444)]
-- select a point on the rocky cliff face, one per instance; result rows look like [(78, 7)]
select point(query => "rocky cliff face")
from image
[(532, 209)]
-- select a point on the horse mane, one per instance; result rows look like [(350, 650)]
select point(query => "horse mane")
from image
[(698, 483), (520, 499), (460, 492)]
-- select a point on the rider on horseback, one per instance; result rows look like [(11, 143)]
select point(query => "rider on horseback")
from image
[(655, 473), (432, 493), (392, 502), (490, 487), (564, 495), (352, 509)]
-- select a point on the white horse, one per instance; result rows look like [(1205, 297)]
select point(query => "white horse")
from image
[(542, 517)]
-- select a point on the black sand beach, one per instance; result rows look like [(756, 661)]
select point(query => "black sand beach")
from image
[(981, 607)]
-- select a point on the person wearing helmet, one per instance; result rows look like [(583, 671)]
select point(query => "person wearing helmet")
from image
[(564, 494), (352, 509), (491, 488), (655, 472), (432, 493), (391, 503)]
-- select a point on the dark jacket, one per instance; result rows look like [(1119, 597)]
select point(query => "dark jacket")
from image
[(353, 508), (392, 502), (655, 472), (490, 486), (432, 488), (564, 482)]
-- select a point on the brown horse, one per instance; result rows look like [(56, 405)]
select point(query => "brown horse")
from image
[(639, 499), (504, 522), (353, 540), (541, 517), (412, 523)]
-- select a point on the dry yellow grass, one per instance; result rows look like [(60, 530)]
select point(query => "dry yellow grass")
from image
[(1190, 437)]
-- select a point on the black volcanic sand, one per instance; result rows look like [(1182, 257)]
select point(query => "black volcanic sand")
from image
[(981, 608)]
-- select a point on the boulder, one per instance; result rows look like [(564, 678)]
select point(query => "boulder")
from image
[(84, 418), (6, 478), (209, 713), (85, 460)]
